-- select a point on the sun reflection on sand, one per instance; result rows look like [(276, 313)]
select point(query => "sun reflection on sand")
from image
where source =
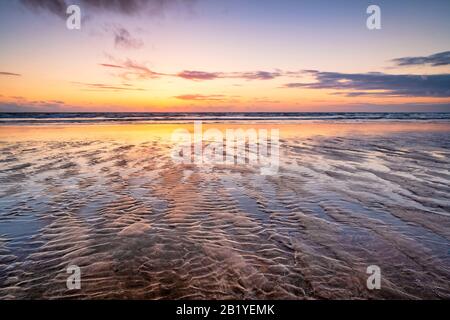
[(147, 132)]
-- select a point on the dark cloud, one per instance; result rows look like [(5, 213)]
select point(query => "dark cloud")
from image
[(359, 84), (123, 39), (2, 73), (57, 7), (435, 60), (308, 71), (137, 6), (128, 7), (399, 107)]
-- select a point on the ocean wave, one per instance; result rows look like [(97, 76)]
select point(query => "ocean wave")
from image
[(55, 118)]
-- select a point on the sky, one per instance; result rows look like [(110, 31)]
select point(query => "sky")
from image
[(234, 55)]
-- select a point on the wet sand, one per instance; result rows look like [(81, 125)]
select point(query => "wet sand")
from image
[(109, 199)]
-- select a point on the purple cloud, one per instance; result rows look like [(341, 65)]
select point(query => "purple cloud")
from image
[(259, 75), (199, 75), (376, 83), (435, 60)]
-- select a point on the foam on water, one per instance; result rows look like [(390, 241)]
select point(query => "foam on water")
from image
[(216, 117)]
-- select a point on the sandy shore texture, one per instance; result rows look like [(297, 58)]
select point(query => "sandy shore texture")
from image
[(109, 199)]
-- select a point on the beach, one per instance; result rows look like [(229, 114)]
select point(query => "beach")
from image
[(110, 199)]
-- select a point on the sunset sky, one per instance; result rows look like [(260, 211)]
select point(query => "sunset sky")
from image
[(234, 55)]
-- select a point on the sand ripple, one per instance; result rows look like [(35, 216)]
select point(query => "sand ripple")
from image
[(140, 226)]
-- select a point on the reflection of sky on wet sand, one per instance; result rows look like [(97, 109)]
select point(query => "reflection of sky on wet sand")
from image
[(109, 199), (144, 132)]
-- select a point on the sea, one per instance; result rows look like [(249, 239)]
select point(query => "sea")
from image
[(212, 117)]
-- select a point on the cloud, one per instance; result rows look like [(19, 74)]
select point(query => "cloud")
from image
[(123, 39), (57, 7), (265, 100), (126, 7), (132, 70), (244, 75), (435, 60), (390, 107), (201, 97), (130, 7), (2, 73), (108, 87), (260, 75), (199, 75), (109, 65), (129, 69), (21, 104), (252, 75), (379, 84)]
